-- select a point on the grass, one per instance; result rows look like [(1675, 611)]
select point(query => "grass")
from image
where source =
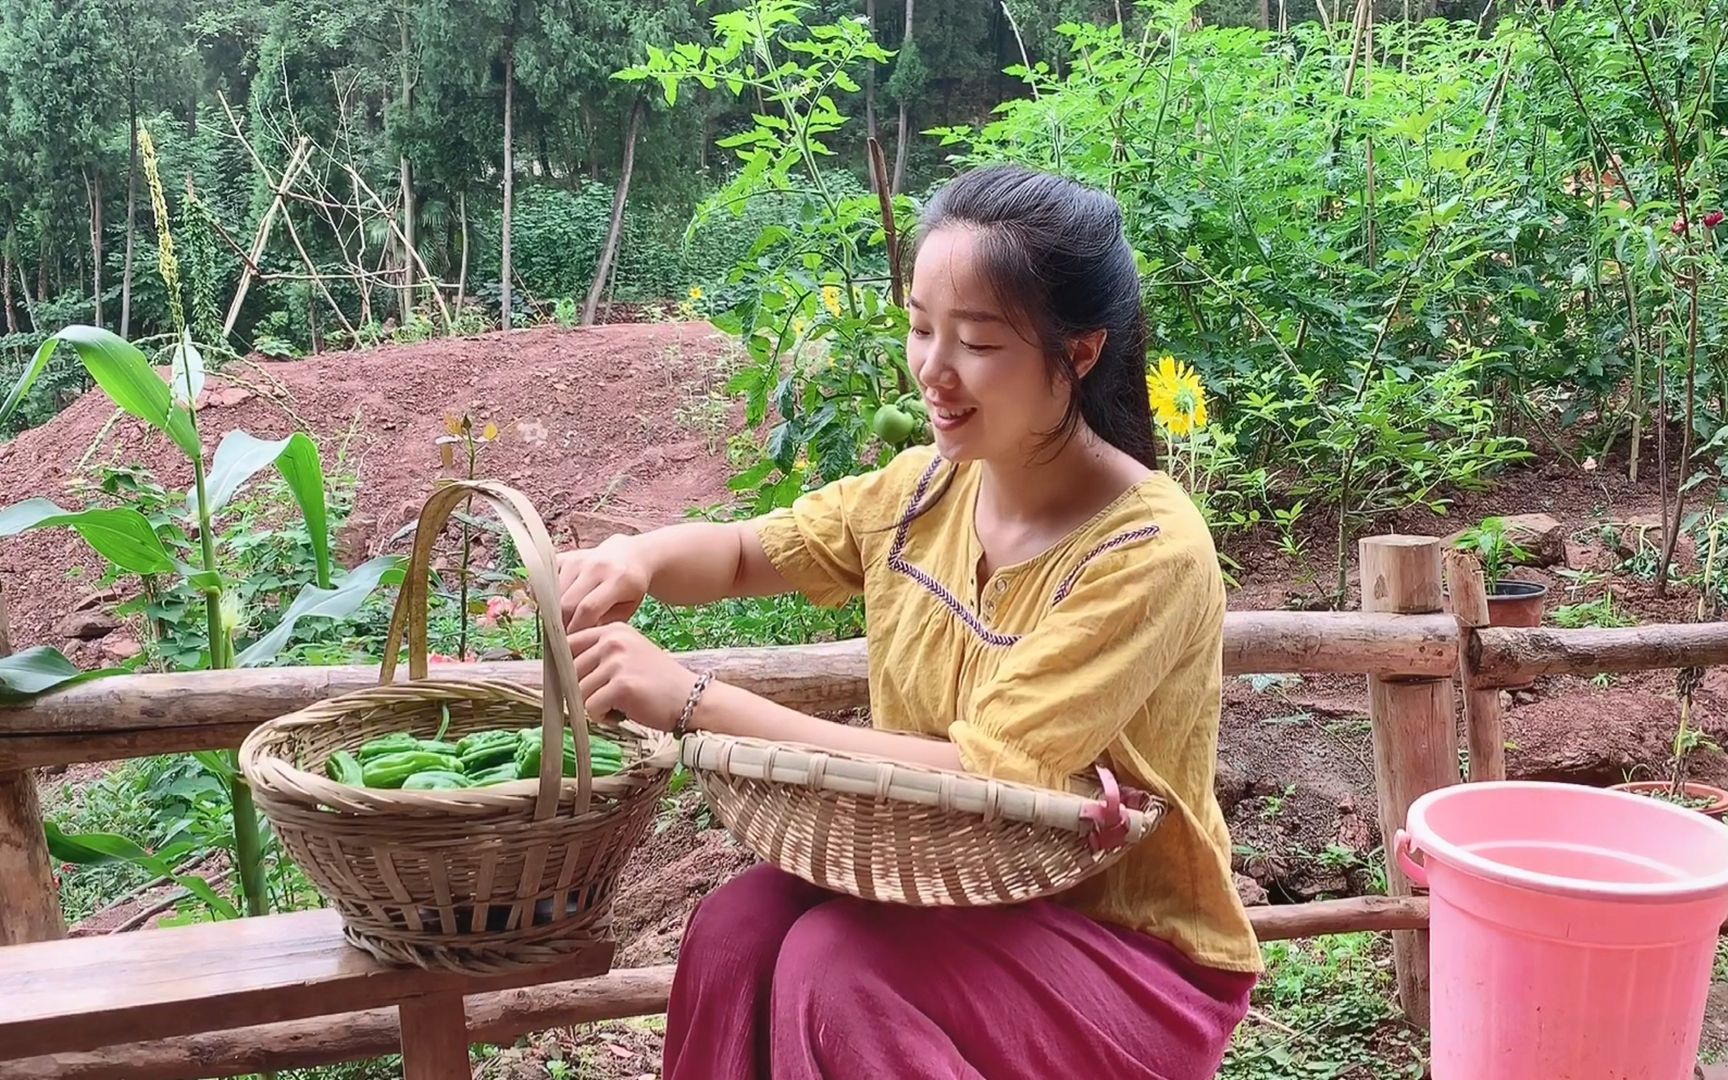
[(1324, 1011)]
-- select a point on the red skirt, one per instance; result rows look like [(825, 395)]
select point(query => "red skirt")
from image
[(779, 979)]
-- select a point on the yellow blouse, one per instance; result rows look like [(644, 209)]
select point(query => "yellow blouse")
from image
[(1108, 646)]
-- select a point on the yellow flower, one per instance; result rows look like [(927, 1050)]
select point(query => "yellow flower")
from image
[(1178, 400), (797, 327), (695, 292), (831, 299)]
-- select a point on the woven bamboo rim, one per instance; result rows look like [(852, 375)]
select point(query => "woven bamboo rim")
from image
[(482, 880), (909, 834)]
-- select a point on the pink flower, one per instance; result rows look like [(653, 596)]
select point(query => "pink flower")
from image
[(1679, 227), (1712, 219), (500, 607)]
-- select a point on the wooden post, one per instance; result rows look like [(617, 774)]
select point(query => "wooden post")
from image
[(29, 906), (1415, 739), (1484, 732), (435, 1038)]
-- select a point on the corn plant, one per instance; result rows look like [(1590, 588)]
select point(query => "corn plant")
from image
[(132, 544)]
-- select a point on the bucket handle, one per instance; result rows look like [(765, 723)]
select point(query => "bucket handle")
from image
[(1404, 851)]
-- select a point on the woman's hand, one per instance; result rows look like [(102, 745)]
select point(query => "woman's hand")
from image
[(601, 585), (621, 670)]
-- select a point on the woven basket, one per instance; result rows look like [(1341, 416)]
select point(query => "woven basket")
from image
[(907, 834), (482, 880)]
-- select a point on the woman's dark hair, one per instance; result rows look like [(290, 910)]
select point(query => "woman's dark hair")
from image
[(1054, 252)]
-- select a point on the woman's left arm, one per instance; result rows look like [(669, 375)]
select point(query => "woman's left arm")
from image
[(621, 670)]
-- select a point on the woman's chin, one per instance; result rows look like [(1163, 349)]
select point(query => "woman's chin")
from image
[(953, 447)]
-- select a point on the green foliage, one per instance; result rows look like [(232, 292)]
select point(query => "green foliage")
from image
[(1495, 550), (826, 348), (1598, 614), (780, 620), (1329, 1001)]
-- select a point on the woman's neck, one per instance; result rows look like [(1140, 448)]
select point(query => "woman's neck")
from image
[(1082, 477)]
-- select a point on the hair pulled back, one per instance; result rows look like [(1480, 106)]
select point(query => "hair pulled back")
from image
[(1054, 252)]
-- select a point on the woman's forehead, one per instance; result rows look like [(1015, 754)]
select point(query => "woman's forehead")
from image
[(948, 276)]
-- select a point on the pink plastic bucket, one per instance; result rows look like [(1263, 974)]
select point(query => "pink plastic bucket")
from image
[(1572, 930)]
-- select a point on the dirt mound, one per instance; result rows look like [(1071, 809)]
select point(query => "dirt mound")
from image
[(607, 429)]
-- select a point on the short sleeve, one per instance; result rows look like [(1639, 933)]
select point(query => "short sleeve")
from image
[(824, 541), (1066, 690)]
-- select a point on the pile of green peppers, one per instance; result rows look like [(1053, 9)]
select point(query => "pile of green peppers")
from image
[(400, 760)]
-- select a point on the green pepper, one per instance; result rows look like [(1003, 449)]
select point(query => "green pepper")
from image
[(605, 758), (486, 749), (435, 780), (393, 743), (497, 774), (342, 768), (391, 770), (435, 746)]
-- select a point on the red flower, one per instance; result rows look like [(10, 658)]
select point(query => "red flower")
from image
[(1679, 227), (1713, 219)]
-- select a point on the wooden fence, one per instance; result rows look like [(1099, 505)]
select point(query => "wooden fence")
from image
[(1417, 641)]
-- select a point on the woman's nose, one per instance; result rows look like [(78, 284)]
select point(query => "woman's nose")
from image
[(934, 369)]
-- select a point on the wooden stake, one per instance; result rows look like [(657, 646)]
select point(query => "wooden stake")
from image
[(302, 153), (29, 905), (1484, 732), (1415, 741), (435, 1039)]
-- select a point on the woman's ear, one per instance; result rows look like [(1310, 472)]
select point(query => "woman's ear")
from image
[(1084, 351)]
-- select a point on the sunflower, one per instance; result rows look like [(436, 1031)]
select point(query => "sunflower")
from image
[(1178, 400), (831, 299)]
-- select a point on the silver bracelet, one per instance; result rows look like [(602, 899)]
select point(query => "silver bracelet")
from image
[(680, 728)]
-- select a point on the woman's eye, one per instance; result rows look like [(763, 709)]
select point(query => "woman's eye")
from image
[(980, 348), (919, 331)]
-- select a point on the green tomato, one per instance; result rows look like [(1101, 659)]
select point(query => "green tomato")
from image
[(892, 425)]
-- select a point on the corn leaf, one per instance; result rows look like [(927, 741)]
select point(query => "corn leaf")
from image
[(125, 375), (121, 535), (38, 671), (314, 602), (201, 889), (98, 849), (241, 455), (22, 386)]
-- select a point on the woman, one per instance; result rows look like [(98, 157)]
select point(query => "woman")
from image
[(1043, 597)]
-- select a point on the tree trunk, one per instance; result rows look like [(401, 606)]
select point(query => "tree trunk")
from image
[(407, 191), (93, 186), (42, 268), (870, 75), (592, 303), (6, 283), (504, 242), (901, 135), (462, 271), (131, 205)]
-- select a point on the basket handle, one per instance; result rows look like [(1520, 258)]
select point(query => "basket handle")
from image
[(1109, 823), (561, 695)]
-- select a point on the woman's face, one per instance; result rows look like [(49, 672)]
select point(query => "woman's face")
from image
[(988, 390)]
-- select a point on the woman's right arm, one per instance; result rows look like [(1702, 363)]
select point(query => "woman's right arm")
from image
[(683, 565)]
